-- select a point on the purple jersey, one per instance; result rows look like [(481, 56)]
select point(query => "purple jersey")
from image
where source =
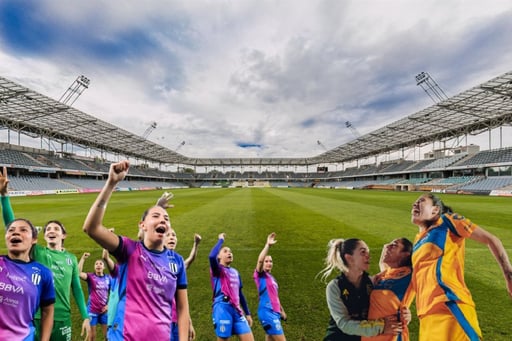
[(98, 287), (267, 291), (24, 287), (147, 284), (226, 282)]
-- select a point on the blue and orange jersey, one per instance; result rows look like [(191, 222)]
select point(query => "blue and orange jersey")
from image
[(391, 292), (438, 263)]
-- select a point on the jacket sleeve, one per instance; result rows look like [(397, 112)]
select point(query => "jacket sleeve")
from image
[(214, 263), (339, 313), (7, 212), (78, 294)]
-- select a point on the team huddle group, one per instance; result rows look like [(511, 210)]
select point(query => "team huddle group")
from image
[(147, 295)]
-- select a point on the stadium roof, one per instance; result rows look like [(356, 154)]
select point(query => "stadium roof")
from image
[(486, 106)]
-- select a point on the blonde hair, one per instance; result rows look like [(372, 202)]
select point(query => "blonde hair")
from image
[(335, 259)]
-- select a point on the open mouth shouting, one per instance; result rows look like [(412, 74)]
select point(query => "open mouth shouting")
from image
[(161, 229), (15, 240)]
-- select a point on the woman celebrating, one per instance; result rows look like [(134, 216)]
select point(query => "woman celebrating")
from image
[(348, 295), (230, 313), (98, 286), (64, 267), (31, 286), (443, 301), (270, 310), (147, 284)]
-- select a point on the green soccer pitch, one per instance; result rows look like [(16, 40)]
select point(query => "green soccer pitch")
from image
[(304, 221)]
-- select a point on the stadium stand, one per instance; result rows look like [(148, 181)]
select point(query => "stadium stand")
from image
[(481, 108)]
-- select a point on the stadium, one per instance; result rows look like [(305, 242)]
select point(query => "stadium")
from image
[(459, 168), (306, 209)]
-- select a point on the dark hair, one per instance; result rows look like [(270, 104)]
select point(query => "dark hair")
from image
[(32, 227), (348, 246), (407, 247), (61, 225), (439, 203)]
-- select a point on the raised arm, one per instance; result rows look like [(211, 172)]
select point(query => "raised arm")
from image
[(110, 263), (498, 251), (7, 213), (81, 272), (93, 224), (264, 252), (193, 252), (214, 263)]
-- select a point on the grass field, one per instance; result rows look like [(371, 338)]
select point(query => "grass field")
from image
[(304, 220)]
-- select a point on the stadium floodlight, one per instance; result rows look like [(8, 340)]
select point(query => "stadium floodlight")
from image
[(429, 85), (75, 90), (149, 130)]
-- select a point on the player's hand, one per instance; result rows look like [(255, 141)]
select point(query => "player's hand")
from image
[(249, 320), (222, 236), (197, 238), (271, 239), (118, 171), (163, 201), (86, 255), (86, 329)]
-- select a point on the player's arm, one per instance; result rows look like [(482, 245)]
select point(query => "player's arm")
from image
[(82, 274), (183, 313), (243, 303), (93, 224), (79, 297), (284, 316), (106, 257), (498, 251), (47, 312), (7, 212), (193, 252), (214, 263), (264, 252)]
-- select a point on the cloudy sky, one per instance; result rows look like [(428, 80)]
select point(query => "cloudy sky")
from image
[(244, 78)]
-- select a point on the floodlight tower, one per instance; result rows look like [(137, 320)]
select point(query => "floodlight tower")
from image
[(321, 145), (75, 90), (354, 131), (182, 143), (149, 130), (429, 85)]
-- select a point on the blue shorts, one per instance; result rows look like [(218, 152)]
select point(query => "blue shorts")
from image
[(227, 321), (271, 321), (175, 333), (98, 318)]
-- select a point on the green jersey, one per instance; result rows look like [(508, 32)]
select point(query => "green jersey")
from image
[(64, 267)]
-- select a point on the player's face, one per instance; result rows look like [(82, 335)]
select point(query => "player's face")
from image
[(267, 264), (360, 259), (171, 240), (394, 253), (18, 237), (155, 225), (423, 211), (99, 266), (54, 235), (225, 256)]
